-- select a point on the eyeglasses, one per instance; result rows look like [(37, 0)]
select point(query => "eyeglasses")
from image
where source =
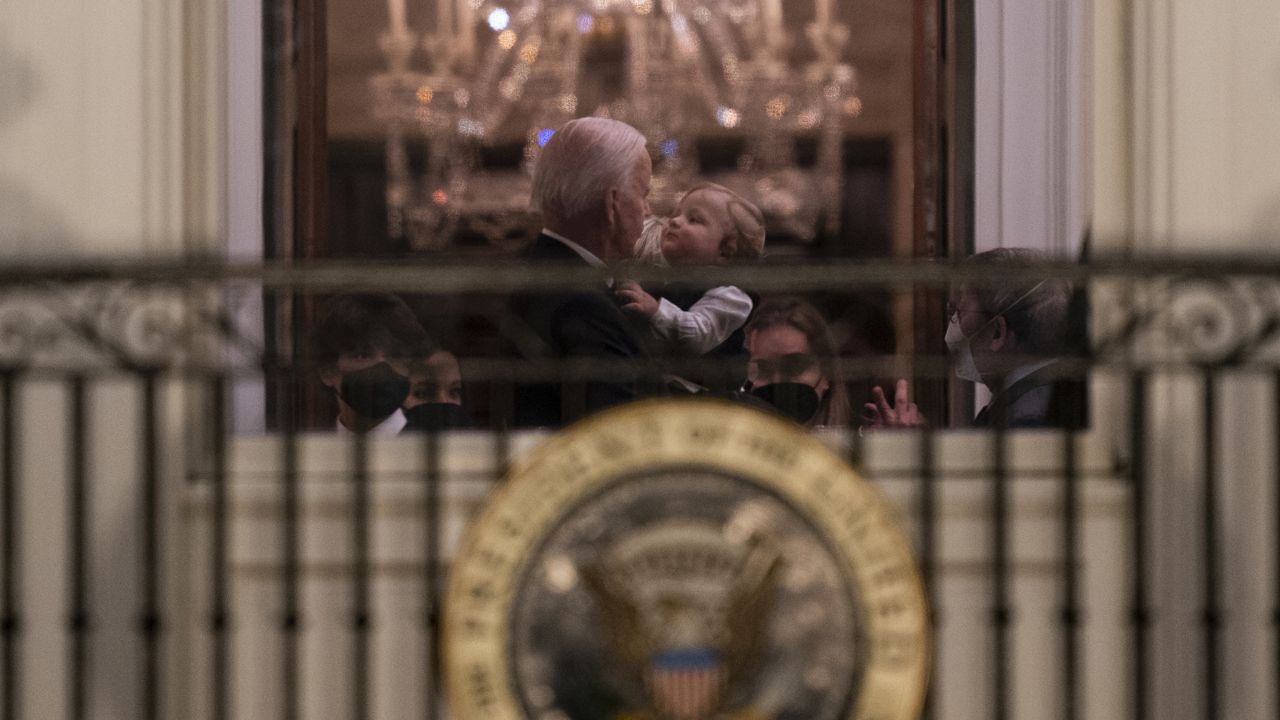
[(953, 309)]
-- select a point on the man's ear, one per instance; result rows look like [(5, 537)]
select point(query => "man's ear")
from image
[(611, 206), (1000, 338)]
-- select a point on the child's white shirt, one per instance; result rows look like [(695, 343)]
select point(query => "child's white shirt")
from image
[(704, 326), (709, 322)]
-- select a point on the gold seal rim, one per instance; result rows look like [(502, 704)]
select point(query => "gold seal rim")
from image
[(855, 518)]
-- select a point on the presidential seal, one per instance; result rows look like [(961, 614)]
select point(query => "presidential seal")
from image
[(685, 560)]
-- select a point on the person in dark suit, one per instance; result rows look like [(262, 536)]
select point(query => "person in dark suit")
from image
[(590, 185), (1008, 336)]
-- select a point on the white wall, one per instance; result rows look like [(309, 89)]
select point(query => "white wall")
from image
[(1189, 129), (1031, 109), (94, 142)]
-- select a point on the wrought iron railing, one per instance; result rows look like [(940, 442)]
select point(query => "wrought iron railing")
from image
[(117, 384)]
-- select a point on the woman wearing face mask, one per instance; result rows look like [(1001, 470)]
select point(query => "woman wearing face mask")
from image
[(793, 364), (435, 395), (362, 349)]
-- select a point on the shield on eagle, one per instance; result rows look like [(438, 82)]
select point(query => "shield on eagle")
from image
[(686, 684), (686, 609)]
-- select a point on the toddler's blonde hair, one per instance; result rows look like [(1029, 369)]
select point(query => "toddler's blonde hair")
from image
[(746, 221)]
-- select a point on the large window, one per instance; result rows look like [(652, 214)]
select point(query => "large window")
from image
[(407, 130)]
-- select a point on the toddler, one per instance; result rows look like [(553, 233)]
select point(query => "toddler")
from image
[(712, 225)]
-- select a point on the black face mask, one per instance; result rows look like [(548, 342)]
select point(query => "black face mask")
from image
[(437, 416), (795, 400), (374, 392)]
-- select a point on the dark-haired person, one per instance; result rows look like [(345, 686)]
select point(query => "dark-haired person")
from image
[(793, 363), (435, 394), (362, 349), (1008, 336)]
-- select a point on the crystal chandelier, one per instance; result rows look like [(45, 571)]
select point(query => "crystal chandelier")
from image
[(684, 72)]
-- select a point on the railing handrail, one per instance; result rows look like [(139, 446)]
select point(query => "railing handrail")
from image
[(436, 276)]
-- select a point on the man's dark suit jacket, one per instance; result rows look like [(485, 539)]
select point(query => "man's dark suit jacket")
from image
[(571, 326), (1039, 400)]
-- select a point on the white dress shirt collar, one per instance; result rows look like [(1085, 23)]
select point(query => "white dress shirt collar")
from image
[(582, 252), (391, 425)]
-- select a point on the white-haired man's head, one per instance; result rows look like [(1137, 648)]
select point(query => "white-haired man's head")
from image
[(591, 184)]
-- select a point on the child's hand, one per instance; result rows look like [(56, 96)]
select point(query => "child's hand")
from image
[(636, 299)]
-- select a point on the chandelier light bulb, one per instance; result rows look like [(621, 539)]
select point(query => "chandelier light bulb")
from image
[(499, 19), (727, 117)]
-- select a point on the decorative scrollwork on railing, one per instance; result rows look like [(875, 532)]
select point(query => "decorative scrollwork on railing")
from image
[(1208, 318), (150, 323), (28, 329), (184, 318), (129, 325), (1187, 321)]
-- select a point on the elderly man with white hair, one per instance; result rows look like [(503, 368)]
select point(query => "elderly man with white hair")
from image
[(590, 185)]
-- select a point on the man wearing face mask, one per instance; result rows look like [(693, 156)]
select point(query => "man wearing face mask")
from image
[(1007, 336), (362, 349)]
